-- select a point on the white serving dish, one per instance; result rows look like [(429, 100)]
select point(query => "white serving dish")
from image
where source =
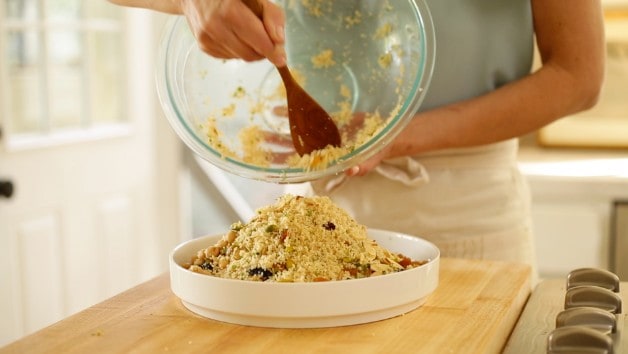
[(308, 305)]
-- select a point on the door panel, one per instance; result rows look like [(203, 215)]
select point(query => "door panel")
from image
[(40, 269), (91, 166)]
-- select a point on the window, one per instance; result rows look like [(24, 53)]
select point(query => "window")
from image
[(61, 67)]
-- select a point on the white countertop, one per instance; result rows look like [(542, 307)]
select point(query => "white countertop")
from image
[(574, 163), (575, 173)]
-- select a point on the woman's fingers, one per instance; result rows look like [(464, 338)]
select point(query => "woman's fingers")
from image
[(230, 46), (229, 29), (274, 20)]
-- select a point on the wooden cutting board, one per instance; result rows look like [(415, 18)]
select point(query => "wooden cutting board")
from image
[(473, 310)]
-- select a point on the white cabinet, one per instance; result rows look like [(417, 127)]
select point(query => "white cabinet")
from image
[(570, 234), (572, 208)]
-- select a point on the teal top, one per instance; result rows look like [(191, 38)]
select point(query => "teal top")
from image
[(480, 46)]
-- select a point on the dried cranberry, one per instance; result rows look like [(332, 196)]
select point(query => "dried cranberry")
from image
[(283, 235)]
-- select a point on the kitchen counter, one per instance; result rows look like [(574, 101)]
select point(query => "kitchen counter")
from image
[(589, 165), (473, 310)]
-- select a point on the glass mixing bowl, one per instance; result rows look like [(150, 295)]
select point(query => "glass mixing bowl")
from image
[(367, 62)]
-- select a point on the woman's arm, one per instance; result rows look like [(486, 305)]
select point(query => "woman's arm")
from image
[(571, 44), (227, 28)]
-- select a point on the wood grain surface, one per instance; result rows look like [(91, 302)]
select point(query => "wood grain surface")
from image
[(473, 310)]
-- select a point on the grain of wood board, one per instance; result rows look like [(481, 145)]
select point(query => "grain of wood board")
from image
[(473, 310)]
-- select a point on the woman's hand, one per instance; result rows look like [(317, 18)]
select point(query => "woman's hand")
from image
[(229, 29), (370, 164)]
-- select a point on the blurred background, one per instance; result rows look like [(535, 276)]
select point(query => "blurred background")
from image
[(96, 190)]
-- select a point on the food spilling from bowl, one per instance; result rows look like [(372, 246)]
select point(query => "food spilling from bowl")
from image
[(366, 62), (299, 239), (303, 263)]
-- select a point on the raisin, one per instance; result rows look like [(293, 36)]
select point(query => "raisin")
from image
[(207, 266), (263, 274), (329, 226)]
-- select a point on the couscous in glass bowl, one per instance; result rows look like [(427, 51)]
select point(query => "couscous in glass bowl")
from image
[(367, 62)]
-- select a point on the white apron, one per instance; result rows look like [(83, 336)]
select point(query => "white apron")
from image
[(471, 203)]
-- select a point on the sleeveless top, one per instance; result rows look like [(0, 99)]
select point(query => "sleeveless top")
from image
[(480, 46)]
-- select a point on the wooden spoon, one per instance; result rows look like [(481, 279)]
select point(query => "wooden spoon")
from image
[(311, 127)]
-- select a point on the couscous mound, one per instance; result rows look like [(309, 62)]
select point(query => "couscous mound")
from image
[(298, 239)]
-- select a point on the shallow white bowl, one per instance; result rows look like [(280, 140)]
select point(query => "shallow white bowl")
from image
[(308, 305)]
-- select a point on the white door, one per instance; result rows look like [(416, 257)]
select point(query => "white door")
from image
[(85, 147)]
